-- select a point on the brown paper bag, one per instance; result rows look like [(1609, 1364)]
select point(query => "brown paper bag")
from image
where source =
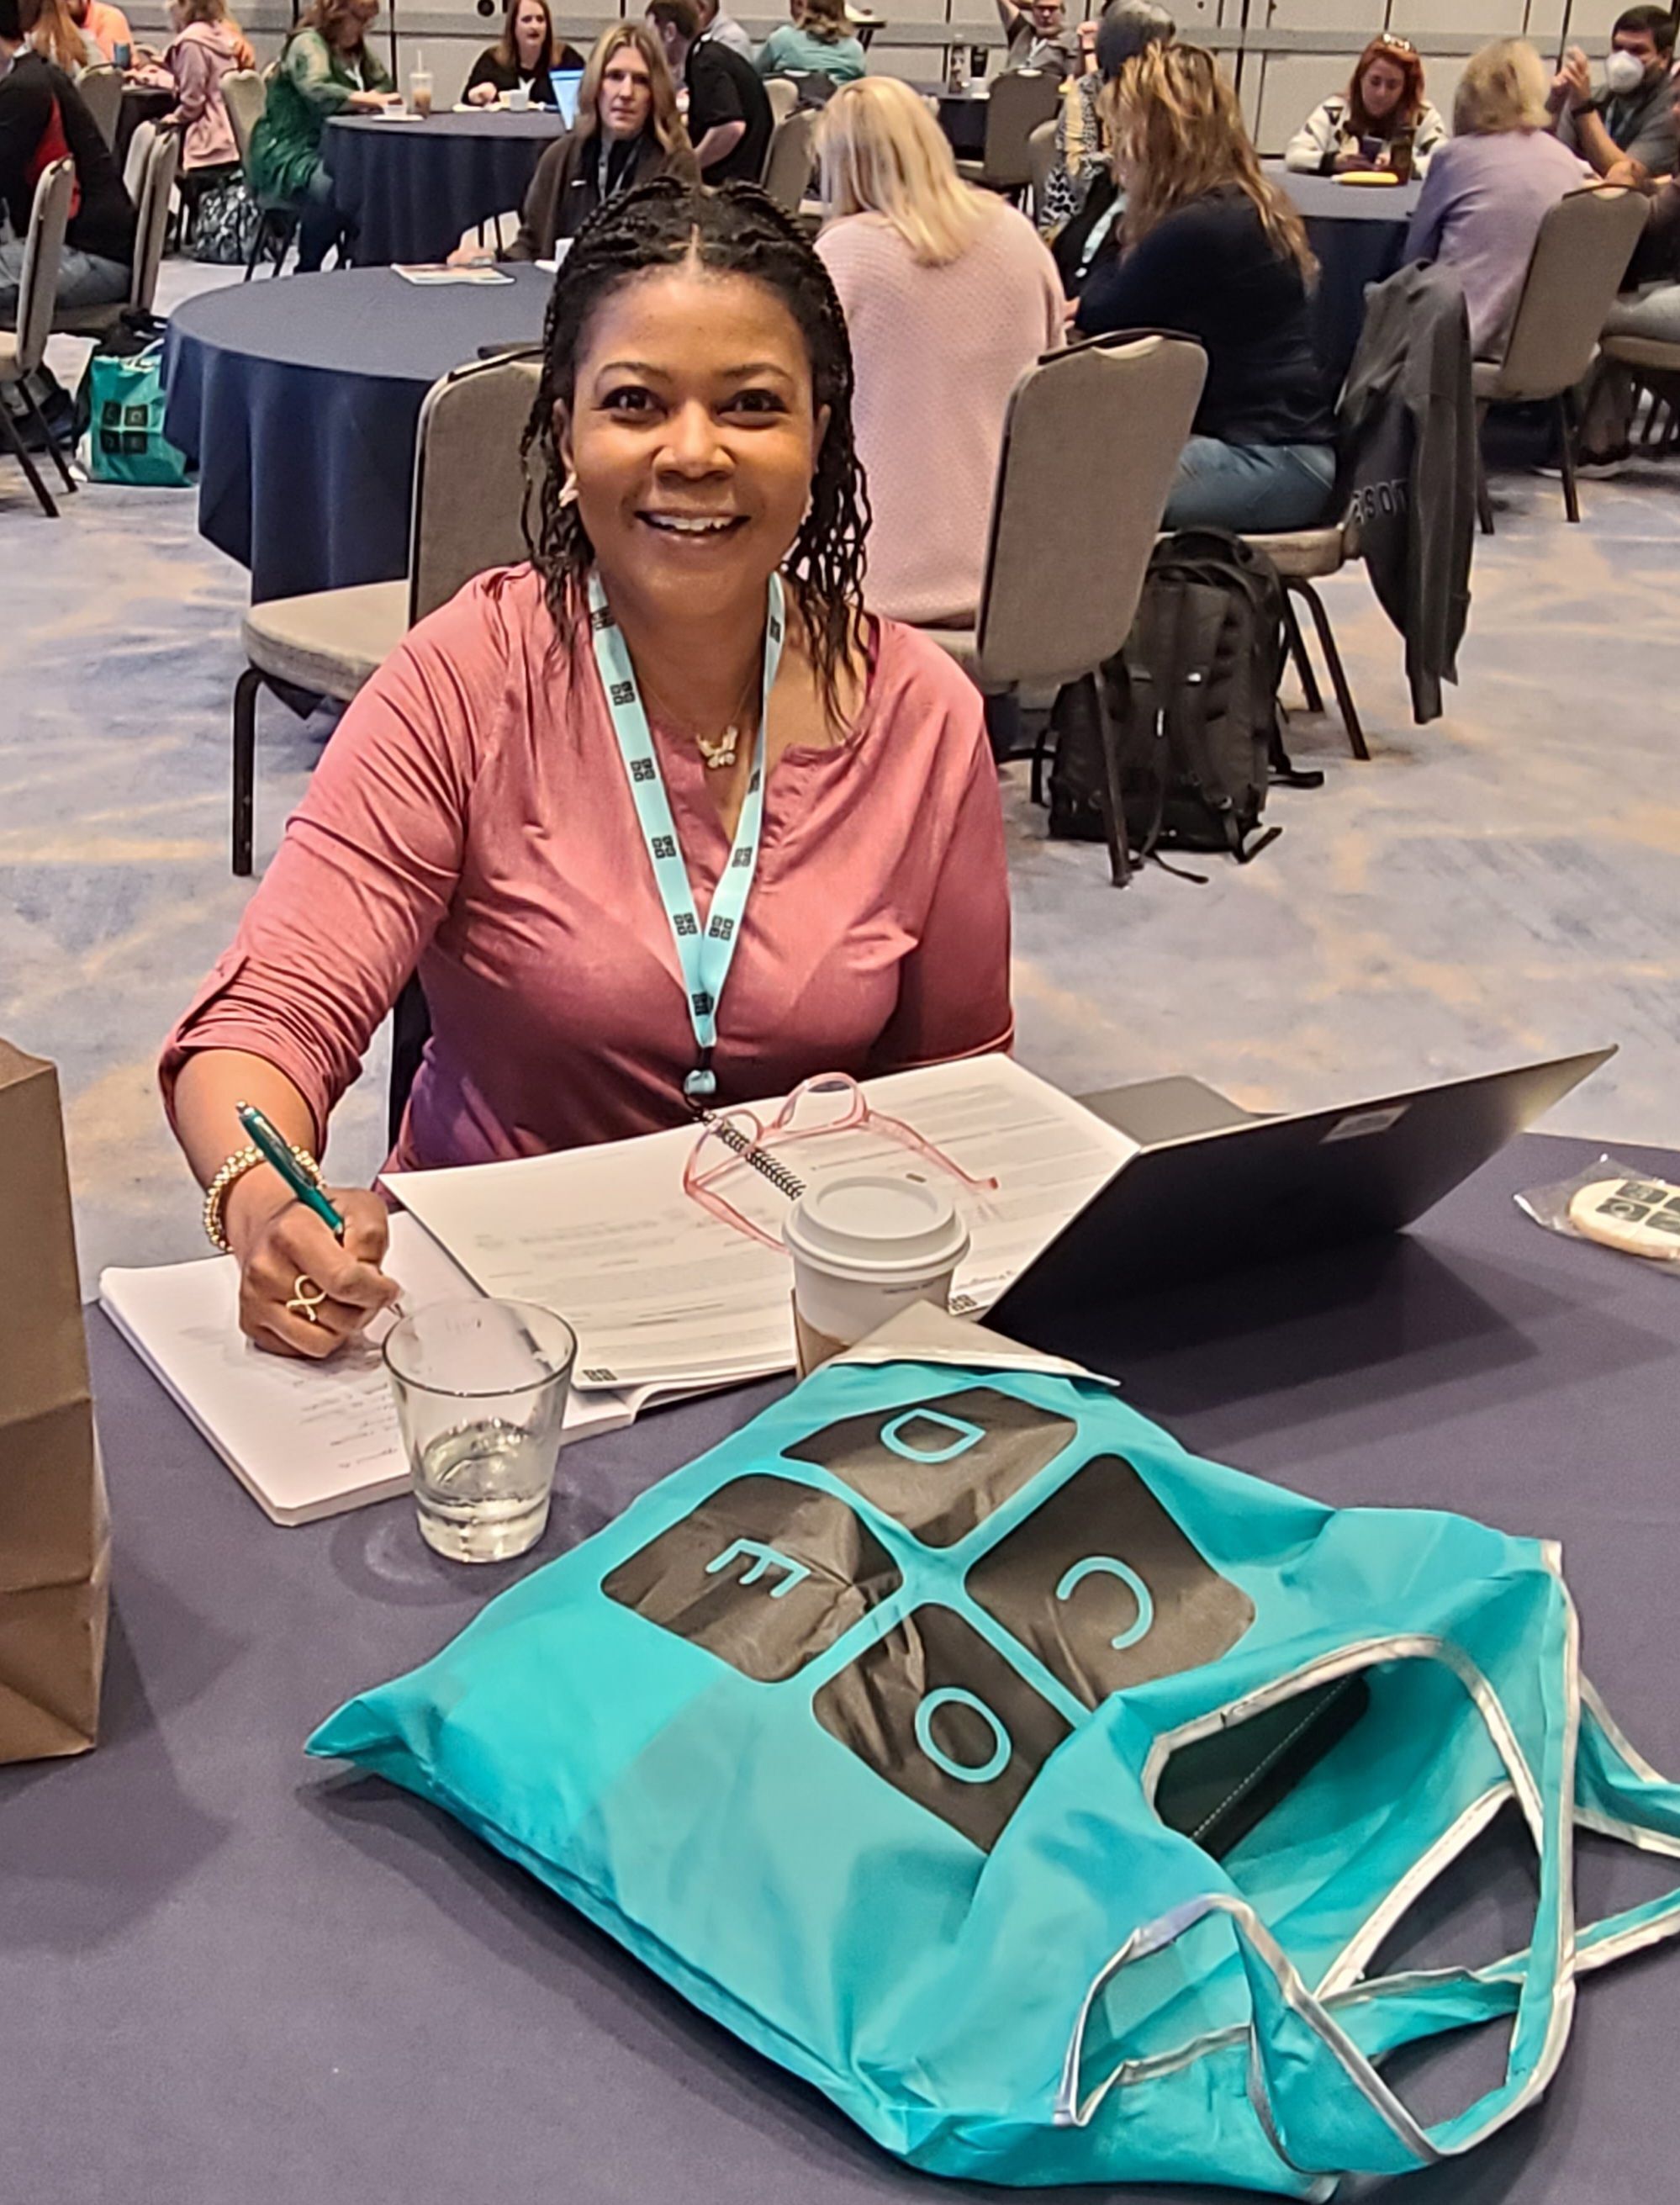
[(55, 1536)]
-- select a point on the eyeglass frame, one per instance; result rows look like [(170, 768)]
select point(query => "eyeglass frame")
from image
[(700, 1185)]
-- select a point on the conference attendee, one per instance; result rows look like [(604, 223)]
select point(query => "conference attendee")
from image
[(628, 132), (1211, 248), (950, 297), (1039, 37), (54, 35), (1489, 187), (43, 119), (476, 813), (1081, 199), (326, 67), (204, 48), (820, 39), (1382, 121), (107, 26), (721, 29), (729, 116), (523, 59), (1649, 307), (1631, 118)]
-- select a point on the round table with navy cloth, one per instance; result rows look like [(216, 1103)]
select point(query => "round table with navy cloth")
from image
[(1358, 232), (230, 1973), (412, 189), (298, 401)]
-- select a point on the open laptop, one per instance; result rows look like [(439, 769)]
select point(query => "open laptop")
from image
[(1222, 1196), (567, 83)]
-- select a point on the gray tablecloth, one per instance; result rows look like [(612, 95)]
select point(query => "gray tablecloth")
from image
[(1358, 233), (298, 398), (226, 1974), (412, 188)]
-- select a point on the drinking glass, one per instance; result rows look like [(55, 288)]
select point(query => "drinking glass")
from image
[(481, 1388)]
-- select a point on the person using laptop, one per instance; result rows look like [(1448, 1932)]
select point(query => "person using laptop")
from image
[(729, 116), (683, 671), (524, 58), (628, 132)]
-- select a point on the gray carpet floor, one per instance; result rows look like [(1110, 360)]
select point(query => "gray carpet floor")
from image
[(1503, 882)]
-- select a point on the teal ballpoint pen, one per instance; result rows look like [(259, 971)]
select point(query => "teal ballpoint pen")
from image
[(265, 1137)]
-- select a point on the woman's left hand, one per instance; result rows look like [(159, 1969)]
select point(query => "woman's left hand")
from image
[(482, 95)]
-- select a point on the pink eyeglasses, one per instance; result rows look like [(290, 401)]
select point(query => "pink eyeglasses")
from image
[(838, 1108)]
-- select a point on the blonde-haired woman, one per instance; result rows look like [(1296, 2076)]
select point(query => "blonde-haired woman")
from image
[(57, 38), (819, 39), (949, 295), (1487, 190), (628, 130), (1209, 246)]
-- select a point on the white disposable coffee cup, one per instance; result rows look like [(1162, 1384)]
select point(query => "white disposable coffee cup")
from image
[(519, 98), (865, 1247)]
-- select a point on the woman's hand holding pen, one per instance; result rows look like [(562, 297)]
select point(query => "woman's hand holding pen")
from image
[(279, 1242)]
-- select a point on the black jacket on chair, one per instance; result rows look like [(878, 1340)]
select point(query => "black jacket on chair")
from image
[(1406, 425)]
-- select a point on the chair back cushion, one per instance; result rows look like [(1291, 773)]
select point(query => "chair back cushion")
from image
[(788, 164), (470, 486), (37, 283), (1020, 100), (139, 152), (243, 94), (161, 165), (783, 95), (101, 91), (1579, 260), (1090, 445)]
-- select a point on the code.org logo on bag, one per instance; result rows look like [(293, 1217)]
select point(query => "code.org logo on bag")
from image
[(1036, 1790)]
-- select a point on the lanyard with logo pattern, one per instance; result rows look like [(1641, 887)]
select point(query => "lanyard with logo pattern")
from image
[(705, 955)]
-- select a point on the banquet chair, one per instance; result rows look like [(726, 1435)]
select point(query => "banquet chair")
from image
[(23, 349), (1020, 100), (1090, 445), (1579, 260), (470, 499), (162, 160), (1302, 557), (790, 160), (134, 165), (245, 92), (101, 91), (783, 95)]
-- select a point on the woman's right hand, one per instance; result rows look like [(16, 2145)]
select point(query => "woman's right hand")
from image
[(370, 103), (482, 95), (280, 1242), (1344, 162)]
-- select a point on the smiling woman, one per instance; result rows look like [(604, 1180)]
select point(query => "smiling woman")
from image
[(662, 818)]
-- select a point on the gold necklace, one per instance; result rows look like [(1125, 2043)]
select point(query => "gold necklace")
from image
[(717, 752)]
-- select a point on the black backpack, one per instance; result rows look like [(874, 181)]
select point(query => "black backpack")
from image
[(1193, 739)]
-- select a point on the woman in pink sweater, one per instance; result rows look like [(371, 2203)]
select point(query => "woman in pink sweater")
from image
[(662, 818), (205, 47), (950, 296)]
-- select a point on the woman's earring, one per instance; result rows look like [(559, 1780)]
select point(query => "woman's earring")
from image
[(568, 489)]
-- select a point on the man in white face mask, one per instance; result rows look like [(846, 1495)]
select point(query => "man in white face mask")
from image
[(1630, 119)]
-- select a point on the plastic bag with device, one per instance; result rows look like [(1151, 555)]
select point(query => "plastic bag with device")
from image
[(1620, 1205)]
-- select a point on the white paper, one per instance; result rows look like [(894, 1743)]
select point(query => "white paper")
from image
[(661, 1293), (305, 1439)]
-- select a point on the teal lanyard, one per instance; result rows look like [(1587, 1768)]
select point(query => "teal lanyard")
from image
[(705, 955)]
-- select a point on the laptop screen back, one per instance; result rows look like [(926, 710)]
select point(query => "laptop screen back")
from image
[(566, 83)]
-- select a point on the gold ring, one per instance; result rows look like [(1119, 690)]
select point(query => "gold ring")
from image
[(307, 1298)]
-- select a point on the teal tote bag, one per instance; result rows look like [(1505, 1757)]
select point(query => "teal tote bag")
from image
[(1036, 1790)]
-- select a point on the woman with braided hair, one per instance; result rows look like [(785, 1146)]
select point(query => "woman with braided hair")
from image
[(662, 818)]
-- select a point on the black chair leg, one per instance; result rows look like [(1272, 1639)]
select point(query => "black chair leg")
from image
[(1333, 659), (52, 441), (20, 452), (1484, 504), (245, 692), (1297, 650), (1566, 447), (1113, 785)]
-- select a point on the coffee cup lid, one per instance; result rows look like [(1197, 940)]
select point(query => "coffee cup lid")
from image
[(870, 1225)]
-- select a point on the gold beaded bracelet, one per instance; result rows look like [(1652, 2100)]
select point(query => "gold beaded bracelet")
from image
[(234, 1168)]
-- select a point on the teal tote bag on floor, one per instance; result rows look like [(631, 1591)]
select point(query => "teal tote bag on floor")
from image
[(1036, 1790)]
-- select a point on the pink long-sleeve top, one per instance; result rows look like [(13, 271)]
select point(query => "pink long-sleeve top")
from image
[(471, 815)]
